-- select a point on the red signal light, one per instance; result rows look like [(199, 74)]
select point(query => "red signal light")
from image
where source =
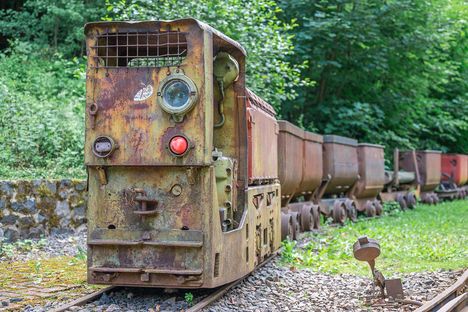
[(178, 145)]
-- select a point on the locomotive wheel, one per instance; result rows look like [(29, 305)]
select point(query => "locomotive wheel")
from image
[(411, 200), (351, 210), (378, 208), (307, 219), (286, 226), (339, 212), (370, 209), (316, 216), (296, 225), (402, 201)]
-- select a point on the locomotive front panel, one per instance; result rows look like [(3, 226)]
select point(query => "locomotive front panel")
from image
[(148, 153), (166, 151)]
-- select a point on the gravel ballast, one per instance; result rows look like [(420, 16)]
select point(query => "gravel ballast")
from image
[(278, 288), (274, 287), (61, 244)]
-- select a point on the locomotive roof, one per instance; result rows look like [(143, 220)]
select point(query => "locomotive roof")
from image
[(155, 24)]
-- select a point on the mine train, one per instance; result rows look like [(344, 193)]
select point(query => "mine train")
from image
[(192, 180)]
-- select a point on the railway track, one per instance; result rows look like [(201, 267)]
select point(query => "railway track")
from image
[(453, 299), (203, 303)]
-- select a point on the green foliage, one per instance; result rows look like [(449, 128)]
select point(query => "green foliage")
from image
[(189, 298), (42, 115), (253, 23), (388, 72), (287, 251), (391, 72), (427, 238), (52, 24)]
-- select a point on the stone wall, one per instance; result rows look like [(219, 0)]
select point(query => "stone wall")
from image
[(30, 209)]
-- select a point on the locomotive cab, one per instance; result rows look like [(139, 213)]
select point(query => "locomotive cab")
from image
[(167, 157)]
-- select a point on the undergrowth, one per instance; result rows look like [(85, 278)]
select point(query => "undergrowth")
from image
[(427, 238)]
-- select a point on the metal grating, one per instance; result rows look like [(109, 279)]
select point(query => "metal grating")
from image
[(140, 49)]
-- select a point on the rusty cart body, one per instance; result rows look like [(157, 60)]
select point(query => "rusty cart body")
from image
[(371, 178), (300, 174), (429, 171), (401, 186), (182, 179), (340, 176), (454, 176)]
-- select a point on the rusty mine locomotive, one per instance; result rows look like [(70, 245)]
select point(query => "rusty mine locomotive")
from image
[(193, 181)]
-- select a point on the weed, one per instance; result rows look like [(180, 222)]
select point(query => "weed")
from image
[(189, 298), (287, 253)]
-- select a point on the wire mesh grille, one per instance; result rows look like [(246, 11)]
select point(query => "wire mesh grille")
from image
[(140, 49)]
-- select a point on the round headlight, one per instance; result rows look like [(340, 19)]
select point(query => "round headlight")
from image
[(177, 94)]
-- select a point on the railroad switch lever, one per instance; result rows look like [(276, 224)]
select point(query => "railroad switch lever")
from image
[(368, 249)]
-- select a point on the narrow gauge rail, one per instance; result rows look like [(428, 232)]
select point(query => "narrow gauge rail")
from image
[(214, 295), (453, 299)]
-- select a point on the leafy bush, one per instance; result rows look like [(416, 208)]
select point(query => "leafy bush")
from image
[(42, 114), (388, 72)]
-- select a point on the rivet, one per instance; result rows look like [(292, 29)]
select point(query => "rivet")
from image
[(176, 190)]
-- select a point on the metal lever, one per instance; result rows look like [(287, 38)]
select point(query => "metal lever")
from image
[(368, 249)]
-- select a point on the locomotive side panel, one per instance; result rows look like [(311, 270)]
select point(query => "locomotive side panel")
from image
[(263, 140)]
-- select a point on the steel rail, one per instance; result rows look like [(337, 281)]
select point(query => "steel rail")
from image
[(454, 298), (197, 307), (224, 289), (83, 300)]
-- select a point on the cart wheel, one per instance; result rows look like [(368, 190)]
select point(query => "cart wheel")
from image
[(370, 209), (402, 201), (435, 199), (339, 212), (316, 216), (378, 207), (351, 210), (286, 226), (307, 220), (411, 200), (296, 222)]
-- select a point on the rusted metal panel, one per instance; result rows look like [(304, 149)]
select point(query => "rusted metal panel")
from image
[(161, 24), (263, 138), (371, 170), (429, 167), (290, 154), (137, 124), (455, 168), (312, 159), (171, 239), (340, 162)]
